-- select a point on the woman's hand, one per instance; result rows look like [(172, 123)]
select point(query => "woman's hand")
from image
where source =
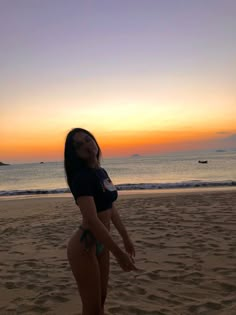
[(129, 247), (125, 261)]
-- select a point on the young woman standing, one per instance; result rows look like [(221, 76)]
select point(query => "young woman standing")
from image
[(89, 247)]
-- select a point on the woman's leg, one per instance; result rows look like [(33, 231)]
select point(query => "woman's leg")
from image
[(85, 268), (104, 265)]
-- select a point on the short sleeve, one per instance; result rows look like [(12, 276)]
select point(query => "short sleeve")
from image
[(82, 185)]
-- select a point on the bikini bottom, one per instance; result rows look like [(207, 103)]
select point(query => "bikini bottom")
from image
[(88, 238)]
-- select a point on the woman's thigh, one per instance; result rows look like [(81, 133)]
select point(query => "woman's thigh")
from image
[(85, 268)]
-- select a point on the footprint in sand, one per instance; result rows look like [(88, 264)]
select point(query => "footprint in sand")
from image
[(229, 301), (204, 308), (152, 297), (53, 297), (153, 275), (228, 287), (114, 310), (10, 285), (192, 278), (7, 277), (33, 309), (140, 291)]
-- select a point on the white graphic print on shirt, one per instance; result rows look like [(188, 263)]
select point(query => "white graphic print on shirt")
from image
[(109, 185)]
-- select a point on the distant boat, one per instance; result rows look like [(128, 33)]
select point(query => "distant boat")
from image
[(135, 155), (203, 162), (220, 150), (41, 162)]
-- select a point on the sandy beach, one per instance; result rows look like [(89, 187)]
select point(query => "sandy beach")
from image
[(185, 251)]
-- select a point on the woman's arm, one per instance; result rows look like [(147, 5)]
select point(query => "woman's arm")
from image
[(116, 220)]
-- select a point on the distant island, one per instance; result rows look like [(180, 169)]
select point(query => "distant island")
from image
[(2, 164), (220, 150), (135, 155)]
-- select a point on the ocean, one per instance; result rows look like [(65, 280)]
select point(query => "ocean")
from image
[(176, 170)]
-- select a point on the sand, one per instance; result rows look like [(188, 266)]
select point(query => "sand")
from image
[(185, 251)]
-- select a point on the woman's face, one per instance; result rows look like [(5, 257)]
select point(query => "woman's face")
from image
[(85, 146)]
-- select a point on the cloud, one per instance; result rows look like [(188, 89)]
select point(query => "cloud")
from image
[(231, 138), (222, 143), (222, 132)]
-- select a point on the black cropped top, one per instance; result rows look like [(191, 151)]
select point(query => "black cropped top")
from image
[(96, 183)]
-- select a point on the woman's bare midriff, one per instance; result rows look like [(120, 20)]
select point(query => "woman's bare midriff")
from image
[(104, 217)]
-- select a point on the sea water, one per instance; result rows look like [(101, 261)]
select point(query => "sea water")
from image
[(176, 170)]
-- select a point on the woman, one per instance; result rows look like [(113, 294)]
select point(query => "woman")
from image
[(89, 247)]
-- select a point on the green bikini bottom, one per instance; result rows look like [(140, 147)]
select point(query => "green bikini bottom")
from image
[(88, 238)]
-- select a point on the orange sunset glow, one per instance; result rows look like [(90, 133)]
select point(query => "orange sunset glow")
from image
[(114, 143), (150, 87)]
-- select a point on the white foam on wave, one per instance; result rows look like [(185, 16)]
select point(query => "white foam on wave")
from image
[(33, 192), (127, 187), (185, 184)]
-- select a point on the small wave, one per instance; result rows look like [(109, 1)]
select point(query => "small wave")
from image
[(185, 184), (33, 192), (140, 186)]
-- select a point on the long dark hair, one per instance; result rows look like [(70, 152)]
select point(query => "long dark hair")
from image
[(72, 163)]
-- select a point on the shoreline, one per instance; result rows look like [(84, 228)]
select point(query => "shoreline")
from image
[(128, 193)]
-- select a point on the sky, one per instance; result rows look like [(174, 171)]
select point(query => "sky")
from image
[(144, 76)]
